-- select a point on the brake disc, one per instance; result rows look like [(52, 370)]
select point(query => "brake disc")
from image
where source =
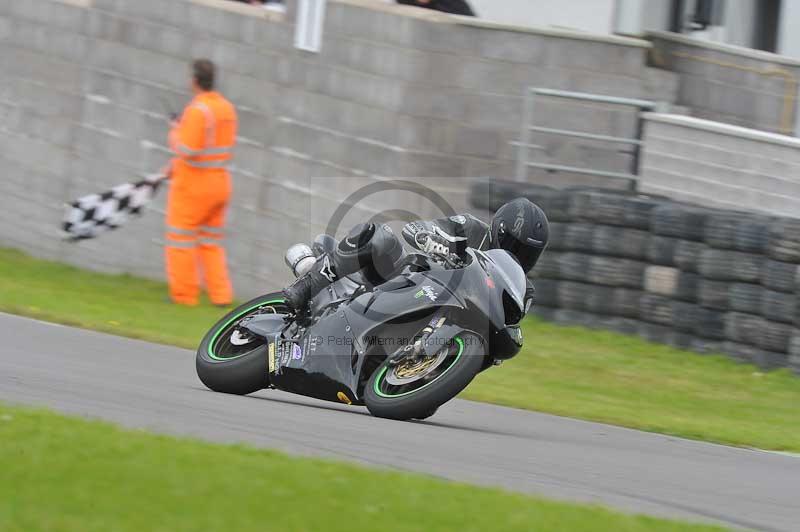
[(410, 369)]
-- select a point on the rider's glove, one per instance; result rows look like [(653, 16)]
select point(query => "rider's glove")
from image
[(413, 233), (434, 244)]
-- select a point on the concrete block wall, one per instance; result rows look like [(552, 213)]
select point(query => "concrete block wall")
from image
[(711, 163), (469, 77), (396, 91), (729, 83), (704, 279)]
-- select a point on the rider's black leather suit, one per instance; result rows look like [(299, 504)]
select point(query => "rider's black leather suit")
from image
[(376, 251)]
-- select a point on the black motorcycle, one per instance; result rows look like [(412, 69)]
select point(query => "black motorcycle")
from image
[(402, 348)]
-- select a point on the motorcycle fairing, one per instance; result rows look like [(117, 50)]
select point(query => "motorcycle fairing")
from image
[(322, 363), (335, 348)]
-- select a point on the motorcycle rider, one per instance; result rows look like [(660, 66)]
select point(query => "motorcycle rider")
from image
[(520, 227)]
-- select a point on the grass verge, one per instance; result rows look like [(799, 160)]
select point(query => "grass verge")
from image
[(575, 372), (68, 474)]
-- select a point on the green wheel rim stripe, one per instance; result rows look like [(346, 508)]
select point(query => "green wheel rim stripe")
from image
[(234, 318), (378, 391)]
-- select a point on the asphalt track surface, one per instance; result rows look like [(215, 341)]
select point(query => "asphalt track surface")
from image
[(142, 385)]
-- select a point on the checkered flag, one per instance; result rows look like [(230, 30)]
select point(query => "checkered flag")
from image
[(91, 215)]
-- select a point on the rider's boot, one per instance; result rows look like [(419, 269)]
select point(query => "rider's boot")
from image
[(304, 288)]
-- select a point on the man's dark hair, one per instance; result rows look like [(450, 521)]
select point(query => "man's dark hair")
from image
[(203, 72)]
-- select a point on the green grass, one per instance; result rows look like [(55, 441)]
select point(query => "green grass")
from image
[(67, 474), (569, 371), (623, 380), (118, 304)]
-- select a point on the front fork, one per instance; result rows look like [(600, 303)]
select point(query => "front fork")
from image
[(416, 349)]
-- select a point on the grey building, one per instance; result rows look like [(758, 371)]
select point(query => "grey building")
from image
[(770, 25)]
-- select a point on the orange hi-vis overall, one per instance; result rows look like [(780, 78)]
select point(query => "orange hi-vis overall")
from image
[(198, 198)]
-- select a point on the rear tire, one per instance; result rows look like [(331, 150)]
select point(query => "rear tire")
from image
[(230, 369), (468, 353)]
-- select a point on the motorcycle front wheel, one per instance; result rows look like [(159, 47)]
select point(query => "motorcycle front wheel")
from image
[(416, 388), (228, 359)]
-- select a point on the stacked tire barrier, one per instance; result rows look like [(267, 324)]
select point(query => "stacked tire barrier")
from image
[(703, 279)]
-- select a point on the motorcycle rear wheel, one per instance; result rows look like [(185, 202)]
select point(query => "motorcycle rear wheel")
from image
[(236, 369), (420, 399)]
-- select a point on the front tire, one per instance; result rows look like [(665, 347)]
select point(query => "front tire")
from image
[(426, 415), (420, 399), (236, 369)]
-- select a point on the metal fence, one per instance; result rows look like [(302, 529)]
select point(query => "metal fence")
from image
[(524, 145)]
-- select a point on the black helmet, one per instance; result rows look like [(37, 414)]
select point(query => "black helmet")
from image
[(521, 228)]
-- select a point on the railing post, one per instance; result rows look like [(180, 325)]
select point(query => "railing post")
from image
[(797, 114), (525, 136), (637, 150)]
